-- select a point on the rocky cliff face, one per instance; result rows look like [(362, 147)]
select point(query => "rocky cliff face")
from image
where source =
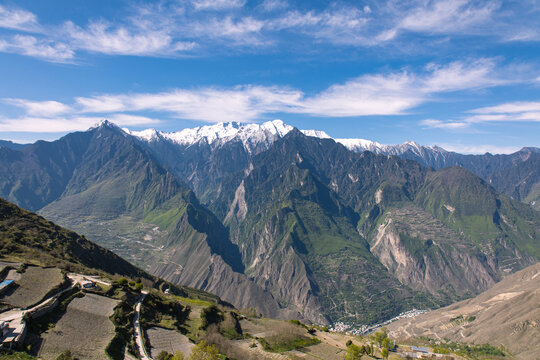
[(426, 255)]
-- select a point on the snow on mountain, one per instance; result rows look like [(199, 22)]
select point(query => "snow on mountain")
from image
[(260, 136), (316, 133), (251, 135)]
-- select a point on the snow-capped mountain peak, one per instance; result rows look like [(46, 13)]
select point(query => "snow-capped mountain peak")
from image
[(252, 136), (259, 137)]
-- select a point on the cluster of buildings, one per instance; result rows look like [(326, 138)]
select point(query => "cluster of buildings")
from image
[(364, 329), (12, 324), (422, 352), (12, 332)]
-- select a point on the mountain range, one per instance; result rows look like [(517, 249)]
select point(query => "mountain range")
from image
[(516, 175), (292, 223)]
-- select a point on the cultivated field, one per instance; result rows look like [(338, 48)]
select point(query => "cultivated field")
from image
[(85, 329), (168, 340), (32, 285), (4, 264)]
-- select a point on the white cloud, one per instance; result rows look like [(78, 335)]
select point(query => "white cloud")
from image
[(101, 104), (390, 94), (507, 112), (40, 108), (379, 94), (210, 104), (179, 28), (442, 17), (510, 108), (103, 38), (460, 75), (273, 5), (393, 93), (243, 31), (446, 125), (18, 19), (340, 25), (67, 124), (479, 149), (41, 48), (217, 4)]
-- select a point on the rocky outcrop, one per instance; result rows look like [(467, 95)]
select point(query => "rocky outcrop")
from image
[(426, 255)]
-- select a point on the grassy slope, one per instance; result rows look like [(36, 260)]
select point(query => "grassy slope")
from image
[(466, 203)]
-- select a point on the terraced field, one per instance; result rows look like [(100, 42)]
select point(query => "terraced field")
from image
[(32, 285), (168, 340), (4, 264), (85, 329)]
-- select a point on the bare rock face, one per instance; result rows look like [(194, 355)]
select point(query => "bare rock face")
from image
[(425, 254)]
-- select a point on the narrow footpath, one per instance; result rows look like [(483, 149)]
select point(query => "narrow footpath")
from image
[(137, 326)]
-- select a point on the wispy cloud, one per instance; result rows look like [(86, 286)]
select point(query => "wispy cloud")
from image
[(395, 93), (392, 93), (217, 4), (40, 108), (446, 125), (45, 49), (373, 94), (18, 19), (103, 38), (479, 148), (443, 16), (203, 27), (67, 124), (244, 103), (507, 112)]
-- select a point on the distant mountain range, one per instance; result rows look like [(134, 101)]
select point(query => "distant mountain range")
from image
[(516, 175), (289, 222)]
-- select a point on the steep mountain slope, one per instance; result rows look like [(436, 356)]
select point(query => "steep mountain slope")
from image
[(182, 151), (111, 189), (516, 175), (25, 236), (299, 241), (506, 314), (204, 157), (317, 193), (378, 191)]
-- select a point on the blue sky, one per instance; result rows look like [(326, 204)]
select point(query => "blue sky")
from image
[(461, 74)]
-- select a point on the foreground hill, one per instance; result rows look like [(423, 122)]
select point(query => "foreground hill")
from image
[(28, 237), (507, 314)]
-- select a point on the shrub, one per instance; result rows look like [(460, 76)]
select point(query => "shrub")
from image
[(201, 351), (66, 355), (211, 315), (164, 356), (353, 352)]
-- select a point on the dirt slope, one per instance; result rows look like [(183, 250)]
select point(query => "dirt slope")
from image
[(507, 314)]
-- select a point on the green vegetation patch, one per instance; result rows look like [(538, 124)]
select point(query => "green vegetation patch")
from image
[(287, 337), (166, 312), (471, 351), (11, 355)]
